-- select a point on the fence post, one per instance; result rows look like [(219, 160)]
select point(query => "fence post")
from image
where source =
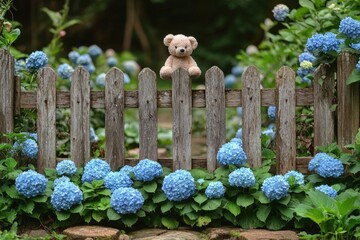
[(182, 119), (285, 120), (148, 115), (80, 116), (348, 100), (251, 117), (114, 118), (7, 88), (46, 119), (323, 97), (215, 114)]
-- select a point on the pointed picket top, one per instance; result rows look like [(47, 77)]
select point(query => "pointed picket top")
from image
[(147, 72), (214, 70)]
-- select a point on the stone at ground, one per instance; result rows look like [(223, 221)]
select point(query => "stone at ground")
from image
[(123, 237), (259, 234), (38, 233), (163, 234), (94, 232), (223, 233)]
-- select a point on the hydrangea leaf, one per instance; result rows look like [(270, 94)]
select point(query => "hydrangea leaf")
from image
[(40, 199), (233, 208), (307, 4), (28, 207), (150, 207), (260, 196), (285, 200), (97, 216), (263, 212), (112, 215), (141, 213), (354, 77), (275, 222), (211, 204), (244, 200), (203, 221), (169, 223), (77, 209), (192, 216), (315, 214), (186, 209), (200, 198), (11, 191), (323, 201), (129, 220), (166, 207), (159, 197), (150, 187), (286, 213), (62, 216)]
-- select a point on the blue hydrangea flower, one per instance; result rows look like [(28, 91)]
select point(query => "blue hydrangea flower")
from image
[(229, 80), (269, 132), (355, 46), (95, 169), (323, 43), (236, 140), (65, 71), (61, 180), (275, 188), (126, 169), (237, 70), (111, 61), (65, 196), (239, 133), (115, 180), (94, 51), (179, 185), (280, 12), (28, 148), (200, 181), (20, 66), (350, 28), (93, 136), (315, 161), (358, 65), (331, 192), (331, 43), (330, 167), (73, 56), (90, 68), (84, 60), (314, 44), (271, 112), (271, 126), (305, 80), (242, 177), (100, 80), (215, 190), (302, 72), (299, 177), (239, 111), (30, 183), (66, 167), (131, 66), (126, 78), (147, 170), (126, 200), (231, 153), (36, 60), (306, 56)]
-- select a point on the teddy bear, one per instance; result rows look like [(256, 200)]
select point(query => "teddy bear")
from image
[(180, 48)]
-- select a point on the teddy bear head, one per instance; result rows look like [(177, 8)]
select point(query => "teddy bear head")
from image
[(180, 45)]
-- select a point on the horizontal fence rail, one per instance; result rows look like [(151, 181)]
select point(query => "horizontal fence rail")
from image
[(181, 99)]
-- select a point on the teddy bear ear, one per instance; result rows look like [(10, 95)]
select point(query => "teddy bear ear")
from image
[(168, 39), (193, 42)]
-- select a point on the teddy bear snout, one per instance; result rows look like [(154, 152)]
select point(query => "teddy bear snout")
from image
[(182, 50)]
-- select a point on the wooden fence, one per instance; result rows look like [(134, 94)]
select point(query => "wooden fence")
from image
[(181, 99)]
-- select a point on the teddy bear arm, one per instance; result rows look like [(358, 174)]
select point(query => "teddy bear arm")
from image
[(166, 70), (194, 70)]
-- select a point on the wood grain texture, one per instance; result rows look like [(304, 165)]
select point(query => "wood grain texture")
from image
[(215, 114), (148, 115), (285, 120), (80, 117), (46, 119), (324, 126), (7, 90), (348, 100), (251, 117), (182, 119), (17, 95), (114, 118)]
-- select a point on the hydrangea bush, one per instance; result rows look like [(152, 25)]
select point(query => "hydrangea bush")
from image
[(30, 184), (147, 170), (126, 200), (95, 169), (179, 185)]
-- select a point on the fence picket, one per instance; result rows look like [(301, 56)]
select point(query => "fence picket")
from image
[(215, 114), (285, 120), (182, 119), (148, 115), (323, 97), (80, 116), (114, 118), (7, 89), (348, 100), (46, 118)]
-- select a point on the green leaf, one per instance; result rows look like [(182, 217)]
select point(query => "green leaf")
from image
[(263, 212), (11, 191), (159, 197), (62, 216), (192, 216), (286, 213), (28, 207), (314, 214), (169, 223), (54, 16), (199, 173), (285, 200), (275, 222), (186, 209), (97, 216), (141, 213), (352, 221), (203, 221), (77, 209), (260, 196), (244, 200), (150, 187), (211, 204), (129, 220), (200, 198), (166, 207), (112, 215), (323, 202), (10, 215), (307, 4), (40, 199), (233, 208), (70, 23), (354, 77), (149, 207)]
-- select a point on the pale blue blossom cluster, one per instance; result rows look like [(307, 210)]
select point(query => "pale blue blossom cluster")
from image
[(271, 112), (115, 180), (61, 180), (237, 71), (126, 200), (306, 61), (231, 153), (86, 62), (200, 181), (326, 166), (306, 56), (275, 188), (239, 133), (230, 80), (73, 56), (323, 43), (28, 148), (331, 192), (280, 11), (358, 65), (94, 51), (65, 71), (179, 185), (242, 177), (131, 67), (65, 196), (269, 132), (93, 136), (147, 170), (111, 61), (215, 190), (299, 177), (36, 60), (66, 167), (355, 46), (100, 80), (95, 169), (126, 169), (236, 140), (19, 67), (30, 183), (350, 28)]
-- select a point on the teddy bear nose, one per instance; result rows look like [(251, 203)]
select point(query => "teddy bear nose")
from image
[(182, 50)]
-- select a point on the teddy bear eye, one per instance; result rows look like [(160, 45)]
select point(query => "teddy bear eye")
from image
[(175, 47), (185, 47)]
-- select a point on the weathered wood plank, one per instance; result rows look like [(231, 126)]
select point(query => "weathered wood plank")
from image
[(348, 100), (323, 96), (215, 114), (182, 119), (46, 119), (285, 120), (114, 118), (80, 116), (17, 95), (7, 89), (148, 115), (251, 117)]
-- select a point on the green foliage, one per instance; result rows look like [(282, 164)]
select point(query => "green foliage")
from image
[(8, 34)]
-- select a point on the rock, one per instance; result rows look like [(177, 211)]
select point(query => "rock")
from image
[(91, 232), (161, 234), (223, 233), (259, 234), (37, 233), (123, 237)]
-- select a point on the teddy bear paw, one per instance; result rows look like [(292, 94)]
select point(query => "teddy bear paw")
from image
[(194, 72), (165, 72)]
